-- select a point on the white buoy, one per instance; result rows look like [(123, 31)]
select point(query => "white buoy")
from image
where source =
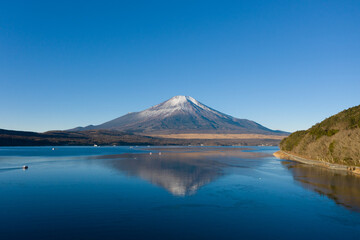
[(25, 167), (53, 149)]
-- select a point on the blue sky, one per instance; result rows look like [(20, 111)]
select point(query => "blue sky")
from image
[(284, 64)]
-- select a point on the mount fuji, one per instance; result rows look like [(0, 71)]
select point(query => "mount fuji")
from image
[(182, 115)]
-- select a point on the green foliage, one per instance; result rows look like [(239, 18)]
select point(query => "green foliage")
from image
[(291, 141), (347, 119), (331, 147), (318, 132), (354, 123)]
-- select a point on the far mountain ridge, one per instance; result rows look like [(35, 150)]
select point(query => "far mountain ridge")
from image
[(179, 115)]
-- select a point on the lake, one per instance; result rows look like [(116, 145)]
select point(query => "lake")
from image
[(172, 193)]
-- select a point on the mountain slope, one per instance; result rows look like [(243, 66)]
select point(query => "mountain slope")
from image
[(334, 140), (182, 114)]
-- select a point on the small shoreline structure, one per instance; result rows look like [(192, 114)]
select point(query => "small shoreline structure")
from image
[(288, 156)]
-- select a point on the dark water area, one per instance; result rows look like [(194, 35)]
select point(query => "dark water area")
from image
[(172, 193)]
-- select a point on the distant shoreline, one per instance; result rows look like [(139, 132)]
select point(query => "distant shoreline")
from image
[(107, 137), (217, 136), (338, 167)]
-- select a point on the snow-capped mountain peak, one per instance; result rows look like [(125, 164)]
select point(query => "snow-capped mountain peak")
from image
[(177, 104), (182, 114), (177, 101)]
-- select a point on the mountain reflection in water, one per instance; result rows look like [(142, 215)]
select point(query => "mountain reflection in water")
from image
[(181, 172), (341, 187)]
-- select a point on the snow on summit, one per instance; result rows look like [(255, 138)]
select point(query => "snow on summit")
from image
[(181, 114), (178, 101), (180, 104)]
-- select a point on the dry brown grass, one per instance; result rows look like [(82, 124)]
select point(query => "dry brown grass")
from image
[(218, 136), (334, 140), (342, 148)]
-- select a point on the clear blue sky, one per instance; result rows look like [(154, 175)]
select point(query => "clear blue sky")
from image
[(285, 64)]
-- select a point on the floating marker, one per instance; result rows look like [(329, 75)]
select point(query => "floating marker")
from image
[(25, 167)]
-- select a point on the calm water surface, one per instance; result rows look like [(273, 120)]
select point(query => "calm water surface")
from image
[(172, 193)]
